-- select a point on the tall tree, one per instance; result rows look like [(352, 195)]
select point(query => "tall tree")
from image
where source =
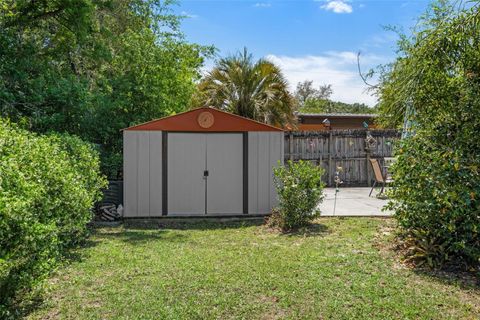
[(93, 67), (253, 89), (328, 106), (317, 100), (305, 91)]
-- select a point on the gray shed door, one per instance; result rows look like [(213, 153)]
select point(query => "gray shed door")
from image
[(190, 156), (186, 164), (225, 168)]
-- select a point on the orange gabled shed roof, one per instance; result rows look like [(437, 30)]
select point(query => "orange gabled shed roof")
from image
[(188, 122)]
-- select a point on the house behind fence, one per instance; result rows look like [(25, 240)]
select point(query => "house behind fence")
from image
[(336, 121), (342, 148)]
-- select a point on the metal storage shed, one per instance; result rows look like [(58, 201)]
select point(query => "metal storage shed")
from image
[(200, 162)]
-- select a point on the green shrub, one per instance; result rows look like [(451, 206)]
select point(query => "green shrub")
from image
[(436, 201), (48, 185), (300, 190), (433, 87)]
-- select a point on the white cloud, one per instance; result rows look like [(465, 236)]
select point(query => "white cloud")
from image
[(336, 68), (188, 15), (338, 6), (262, 5)]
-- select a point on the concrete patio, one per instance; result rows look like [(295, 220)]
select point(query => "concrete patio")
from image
[(353, 202)]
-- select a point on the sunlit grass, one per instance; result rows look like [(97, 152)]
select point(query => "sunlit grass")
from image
[(334, 270)]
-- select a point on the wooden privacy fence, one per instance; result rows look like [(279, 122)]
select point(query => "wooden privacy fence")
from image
[(348, 149)]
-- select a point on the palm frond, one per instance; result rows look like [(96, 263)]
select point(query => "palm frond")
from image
[(252, 89)]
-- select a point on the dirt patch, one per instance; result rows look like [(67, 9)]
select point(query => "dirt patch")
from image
[(275, 312)]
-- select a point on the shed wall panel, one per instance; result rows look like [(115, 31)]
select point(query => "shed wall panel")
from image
[(265, 150), (264, 170), (252, 172), (155, 173), (130, 178), (143, 184), (276, 155)]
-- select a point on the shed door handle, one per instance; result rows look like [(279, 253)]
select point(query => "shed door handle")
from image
[(205, 173)]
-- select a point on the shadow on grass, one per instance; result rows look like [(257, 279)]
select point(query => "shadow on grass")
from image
[(29, 299), (23, 307), (312, 230), (141, 231), (453, 276), (78, 254), (193, 224), (135, 236)]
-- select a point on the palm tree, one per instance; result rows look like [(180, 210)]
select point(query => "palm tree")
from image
[(255, 90)]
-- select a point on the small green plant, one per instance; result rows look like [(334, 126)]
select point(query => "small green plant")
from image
[(300, 190)]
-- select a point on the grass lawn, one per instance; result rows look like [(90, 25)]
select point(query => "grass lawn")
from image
[(339, 269)]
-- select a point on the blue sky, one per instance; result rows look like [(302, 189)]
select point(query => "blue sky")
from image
[(310, 39)]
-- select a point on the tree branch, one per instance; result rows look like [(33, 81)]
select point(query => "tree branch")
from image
[(25, 18), (364, 79)]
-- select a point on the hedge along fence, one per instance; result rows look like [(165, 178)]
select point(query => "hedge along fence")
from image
[(48, 185), (344, 148)]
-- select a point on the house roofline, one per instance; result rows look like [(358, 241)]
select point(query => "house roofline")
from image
[(337, 115)]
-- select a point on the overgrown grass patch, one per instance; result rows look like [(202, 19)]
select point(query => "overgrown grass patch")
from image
[(333, 270)]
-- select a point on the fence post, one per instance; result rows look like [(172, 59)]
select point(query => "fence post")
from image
[(290, 145), (367, 162), (330, 151)]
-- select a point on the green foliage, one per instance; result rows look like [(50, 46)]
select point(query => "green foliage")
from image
[(306, 91), (300, 189), (92, 67), (436, 201), (252, 89), (313, 100), (437, 176), (314, 105), (48, 186)]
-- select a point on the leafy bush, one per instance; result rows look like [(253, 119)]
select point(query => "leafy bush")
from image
[(300, 190), (48, 185), (434, 85), (436, 202)]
